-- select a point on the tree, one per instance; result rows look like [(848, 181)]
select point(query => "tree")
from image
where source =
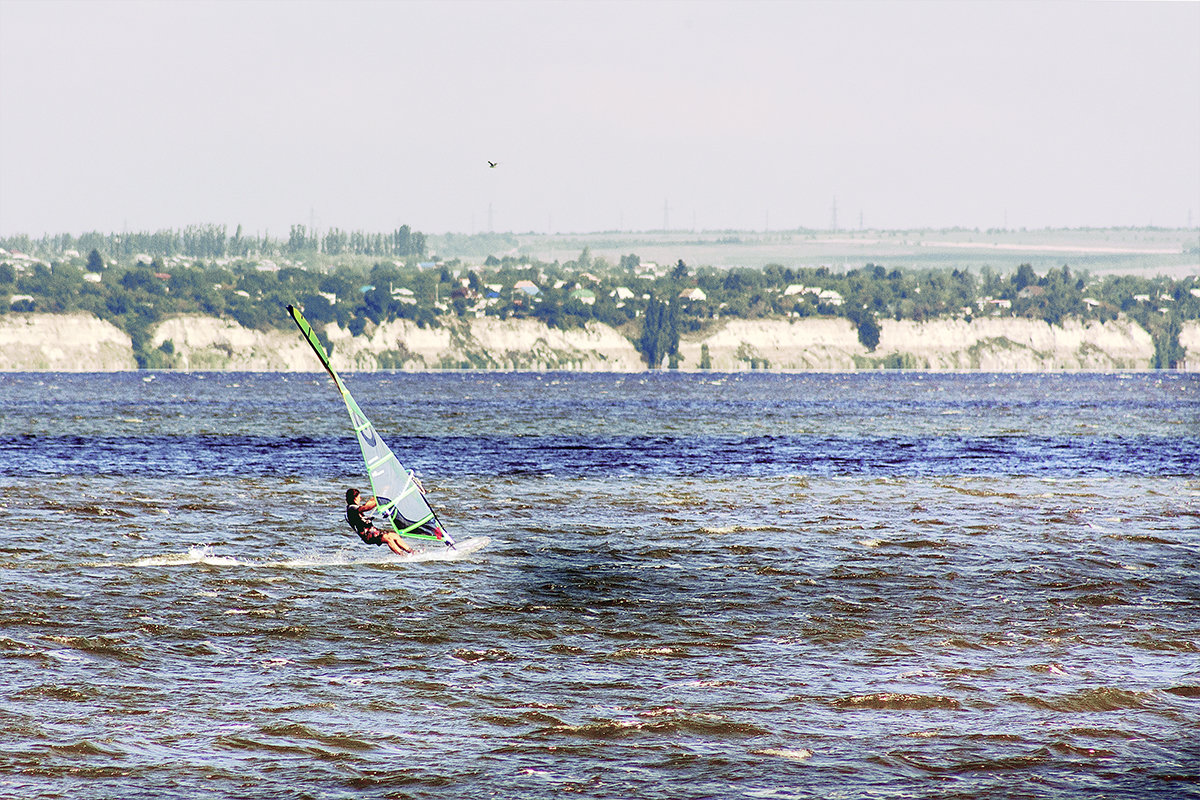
[(95, 262), (142, 279), (660, 333), (336, 241), (868, 331), (317, 308), (1025, 277), (1168, 353), (298, 239), (585, 259), (402, 241)]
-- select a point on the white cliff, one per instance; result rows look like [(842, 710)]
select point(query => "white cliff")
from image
[(1189, 340), (999, 345), (207, 343), (801, 344), (63, 343), (79, 342), (487, 343), (1021, 345)]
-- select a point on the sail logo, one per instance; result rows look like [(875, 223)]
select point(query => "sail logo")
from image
[(368, 435), (363, 426)]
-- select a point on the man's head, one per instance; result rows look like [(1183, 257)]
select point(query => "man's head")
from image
[(352, 496)]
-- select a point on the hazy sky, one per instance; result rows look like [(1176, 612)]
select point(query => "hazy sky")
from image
[(368, 115)]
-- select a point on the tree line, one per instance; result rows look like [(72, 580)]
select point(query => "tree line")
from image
[(653, 306), (213, 241)]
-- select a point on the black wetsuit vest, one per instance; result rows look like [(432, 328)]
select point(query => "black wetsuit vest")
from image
[(357, 521)]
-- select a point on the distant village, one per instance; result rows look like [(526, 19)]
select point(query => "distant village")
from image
[(646, 301)]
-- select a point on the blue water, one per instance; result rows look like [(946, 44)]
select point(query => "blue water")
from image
[(701, 585)]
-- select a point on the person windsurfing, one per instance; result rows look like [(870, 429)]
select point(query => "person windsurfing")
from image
[(364, 526)]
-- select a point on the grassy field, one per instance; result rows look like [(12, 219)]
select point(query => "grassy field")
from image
[(1145, 251)]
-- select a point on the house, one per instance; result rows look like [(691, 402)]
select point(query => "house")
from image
[(831, 297), (693, 294), (528, 287), (585, 296), (621, 293)]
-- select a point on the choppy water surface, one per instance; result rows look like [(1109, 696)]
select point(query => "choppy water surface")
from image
[(764, 586)]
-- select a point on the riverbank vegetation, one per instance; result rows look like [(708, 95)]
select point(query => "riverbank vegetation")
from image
[(359, 280)]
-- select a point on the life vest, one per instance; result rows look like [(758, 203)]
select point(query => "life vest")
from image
[(358, 523)]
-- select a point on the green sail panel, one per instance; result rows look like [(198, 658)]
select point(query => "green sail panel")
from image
[(401, 501)]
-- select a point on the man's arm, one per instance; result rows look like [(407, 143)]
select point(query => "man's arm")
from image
[(370, 504)]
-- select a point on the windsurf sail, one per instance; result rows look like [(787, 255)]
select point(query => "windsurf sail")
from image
[(401, 500)]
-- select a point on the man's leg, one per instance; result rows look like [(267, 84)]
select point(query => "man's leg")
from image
[(393, 541)]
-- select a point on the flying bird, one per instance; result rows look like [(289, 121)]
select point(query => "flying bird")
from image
[(492, 164)]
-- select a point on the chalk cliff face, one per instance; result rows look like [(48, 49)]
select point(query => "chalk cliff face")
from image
[(63, 343), (999, 345), (825, 344), (487, 343), (208, 343), (1189, 340), (1004, 345), (80, 342)]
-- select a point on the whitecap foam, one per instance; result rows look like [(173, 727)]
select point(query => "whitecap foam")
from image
[(194, 555), (204, 555), (799, 754), (460, 551)]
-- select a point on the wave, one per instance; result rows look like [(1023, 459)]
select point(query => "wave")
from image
[(195, 555), (203, 555), (801, 754), (660, 722), (104, 646), (1104, 698), (728, 529), (714, 455), (891, 701)]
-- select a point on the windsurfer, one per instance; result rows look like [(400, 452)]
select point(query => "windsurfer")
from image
[(364, 526)]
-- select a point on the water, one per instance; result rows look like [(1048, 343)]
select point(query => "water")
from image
[(761, 586)]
